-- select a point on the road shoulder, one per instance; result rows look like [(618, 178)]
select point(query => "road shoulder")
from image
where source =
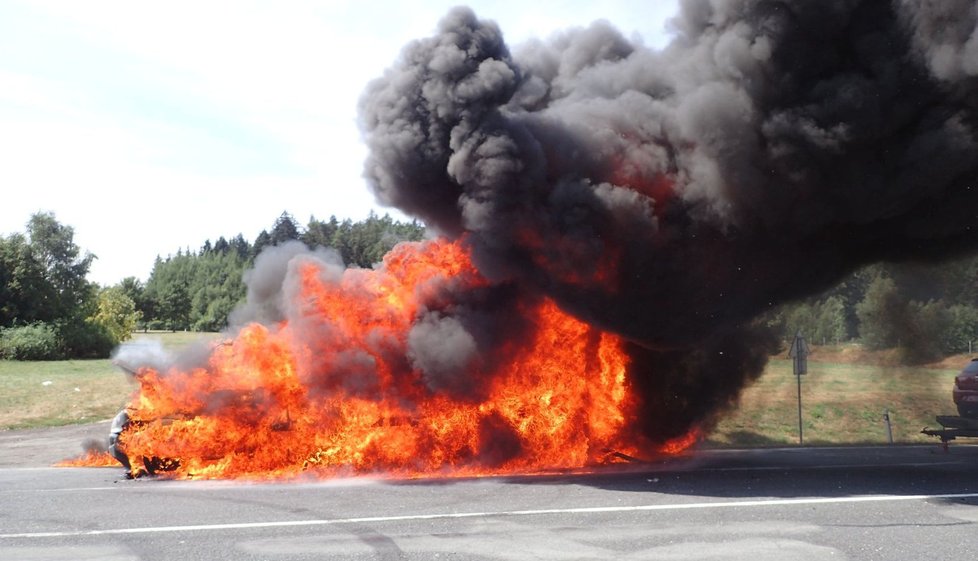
[(42, 447)]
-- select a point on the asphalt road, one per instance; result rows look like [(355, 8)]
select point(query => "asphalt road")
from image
[(844, 503)]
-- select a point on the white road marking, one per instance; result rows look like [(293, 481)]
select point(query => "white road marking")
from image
[(496, 514), (65, 490)]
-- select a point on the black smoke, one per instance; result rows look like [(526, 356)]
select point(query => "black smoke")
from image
[(672, 195)]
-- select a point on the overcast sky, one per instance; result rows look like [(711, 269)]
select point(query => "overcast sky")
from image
[(150, 127)]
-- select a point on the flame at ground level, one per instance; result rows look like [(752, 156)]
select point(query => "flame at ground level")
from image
[(90, 458), (334, 389)]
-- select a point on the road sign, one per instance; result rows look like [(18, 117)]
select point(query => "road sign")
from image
[(799, 352)]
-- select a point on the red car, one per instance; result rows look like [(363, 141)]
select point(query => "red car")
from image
[(966, 390)]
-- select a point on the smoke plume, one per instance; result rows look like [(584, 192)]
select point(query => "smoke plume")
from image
[(670, 196)]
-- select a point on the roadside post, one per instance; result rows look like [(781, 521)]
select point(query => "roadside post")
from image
[(889, 428), (799, 354)]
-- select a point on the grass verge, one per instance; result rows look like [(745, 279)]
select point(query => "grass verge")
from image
[(844, 397), (54, 393)]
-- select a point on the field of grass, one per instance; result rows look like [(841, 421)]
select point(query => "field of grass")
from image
[(173, 341), (51, 393), (54, 393), (844, 396)]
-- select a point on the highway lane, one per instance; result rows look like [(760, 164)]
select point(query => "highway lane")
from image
[(809, 503)]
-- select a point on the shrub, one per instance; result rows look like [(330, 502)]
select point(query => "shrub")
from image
[(83, 339), (38, 341)]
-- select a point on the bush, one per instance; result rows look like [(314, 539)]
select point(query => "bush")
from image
[(30, 342), (83, 339)]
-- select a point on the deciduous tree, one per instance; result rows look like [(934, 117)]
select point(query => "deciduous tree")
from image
[(116, 313)]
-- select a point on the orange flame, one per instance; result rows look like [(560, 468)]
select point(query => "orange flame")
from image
[(277, 402), (91, 458), (680, 444)]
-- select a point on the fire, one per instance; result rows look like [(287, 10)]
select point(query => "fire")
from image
[(91, 458), (276, 401), (682, 443)]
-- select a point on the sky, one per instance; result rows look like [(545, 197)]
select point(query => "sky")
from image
[(152, 127)]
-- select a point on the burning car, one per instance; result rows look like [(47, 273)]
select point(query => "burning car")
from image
[(965, 391)]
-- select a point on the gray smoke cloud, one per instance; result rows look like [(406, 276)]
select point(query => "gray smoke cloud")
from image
[(672, 195), (132, 355), (442, 349), (272, 281), (946, 36)]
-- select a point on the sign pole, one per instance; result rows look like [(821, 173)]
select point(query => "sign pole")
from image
[(801, 436), (799, 352)]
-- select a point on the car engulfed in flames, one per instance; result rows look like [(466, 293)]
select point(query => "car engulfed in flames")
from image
[(338, 390), (252, 409)]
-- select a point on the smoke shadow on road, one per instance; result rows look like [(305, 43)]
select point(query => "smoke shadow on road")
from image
[(786, 473), (798, 472)]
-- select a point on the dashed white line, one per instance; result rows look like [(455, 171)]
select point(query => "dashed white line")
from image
[(492, 514)]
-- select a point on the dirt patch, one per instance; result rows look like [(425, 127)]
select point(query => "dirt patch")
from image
[(43, 447)]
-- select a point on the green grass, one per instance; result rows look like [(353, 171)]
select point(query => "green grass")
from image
[(842, 403), (55, 393), (52, 393)]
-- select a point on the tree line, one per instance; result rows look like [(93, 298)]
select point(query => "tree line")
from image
[(196, 290), (48, 309)]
